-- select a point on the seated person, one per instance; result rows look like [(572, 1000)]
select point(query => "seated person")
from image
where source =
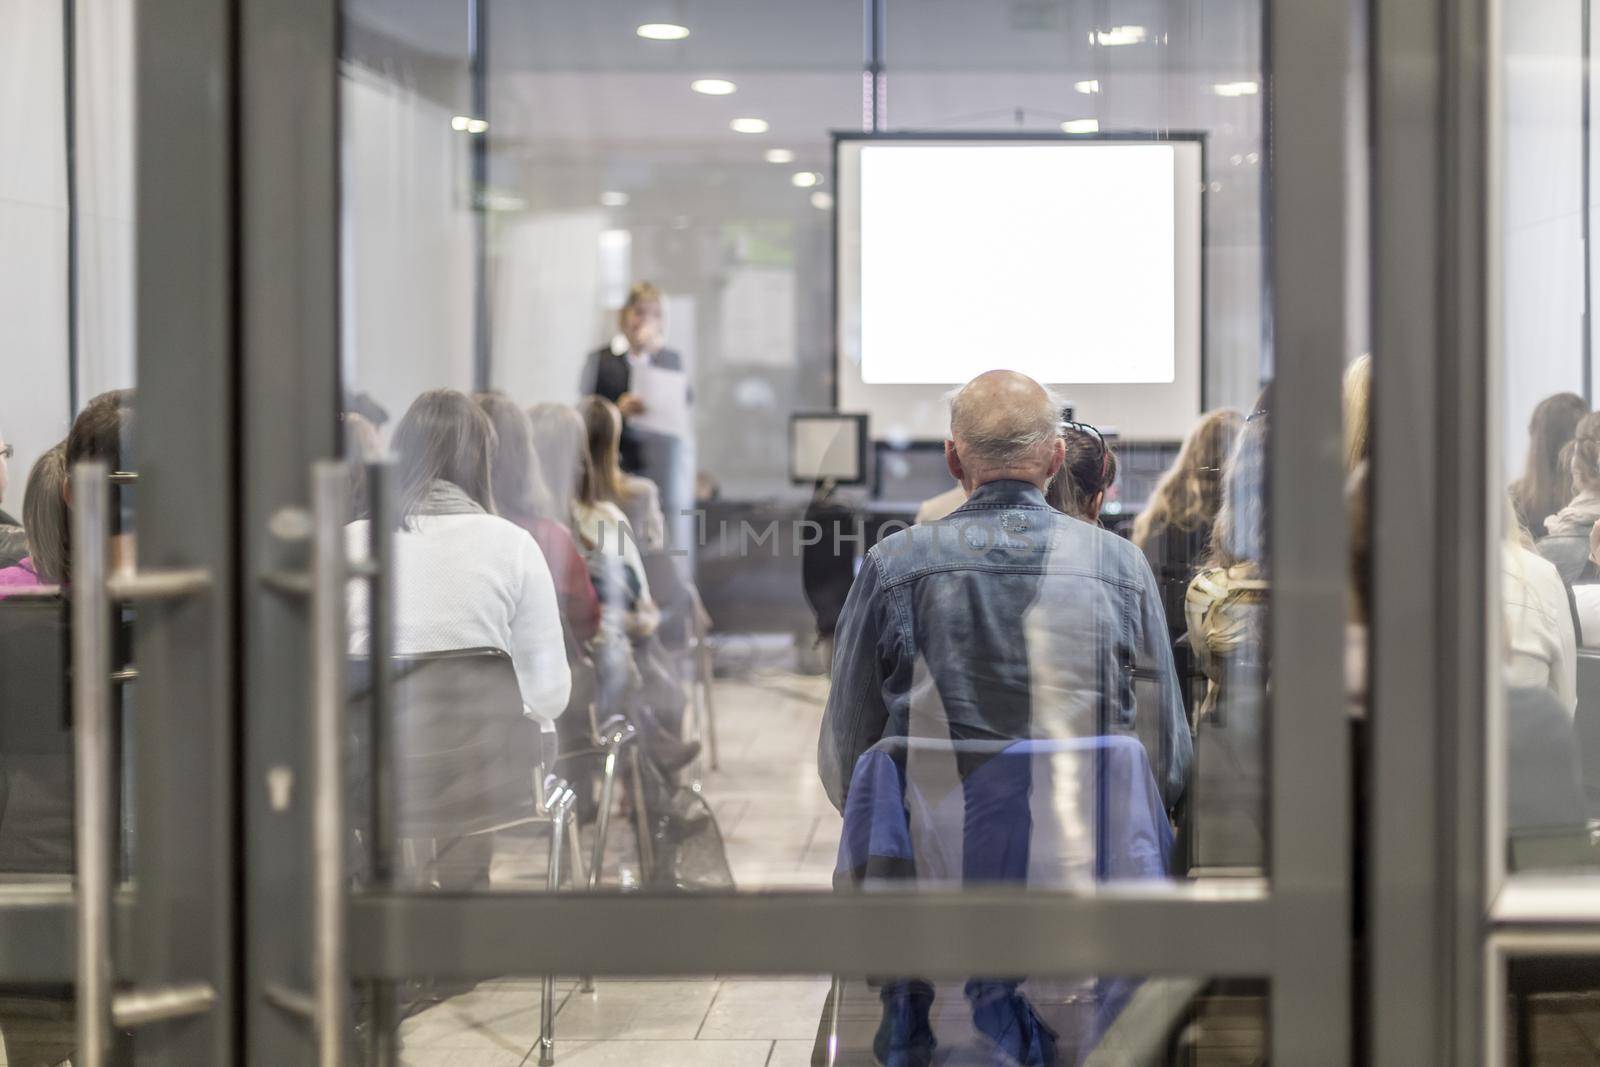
[(464, 576), (44, 510), (935, 637)]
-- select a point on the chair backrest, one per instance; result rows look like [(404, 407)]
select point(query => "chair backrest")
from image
[(1588, 728), (464, 751), (1545, 809), (1051, 813), (35, 736)]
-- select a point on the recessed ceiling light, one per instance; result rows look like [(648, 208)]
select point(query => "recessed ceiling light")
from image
[(779, 155), (1119, 35), (748, 125), (821, 201), (805, 179), (614, 198), (1236, 88), (1081, 126), (1090, 86), (713, 86), (477, 125), (459, 123), (662, 31)]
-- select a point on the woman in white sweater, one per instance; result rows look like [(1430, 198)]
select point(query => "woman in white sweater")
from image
[(464, 577)]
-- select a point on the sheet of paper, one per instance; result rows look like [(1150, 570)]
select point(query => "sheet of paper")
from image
[(665, 394)]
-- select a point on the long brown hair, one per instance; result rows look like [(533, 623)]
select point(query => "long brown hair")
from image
[(602, 478), (443, 436), (1545, 487), (514, 473), (1586, 455), (44, 515), (558, 439), (1189, 494)]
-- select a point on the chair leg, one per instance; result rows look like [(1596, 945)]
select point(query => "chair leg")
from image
[(575, 853), (602, 822), (641, 819), (547, 1022), (703, 679)]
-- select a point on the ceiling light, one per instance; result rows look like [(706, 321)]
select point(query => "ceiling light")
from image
[(1090, 86), (805, 179), (477, 125), (748, 125), (1236, 88), (1119, 35), (662, 31), (613, 198), (821, 201), (1081, 126), (459, 123), (779, 155), (713, 86)]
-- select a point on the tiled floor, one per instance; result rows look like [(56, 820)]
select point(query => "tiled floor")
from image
[(779, 831)]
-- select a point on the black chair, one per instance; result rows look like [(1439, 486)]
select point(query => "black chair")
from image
[(36, 779), (1588, 729)]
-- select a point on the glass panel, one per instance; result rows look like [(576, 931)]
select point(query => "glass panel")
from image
[(66, 295), (1551, 446), (37, 1024), (799, 1020), (1553, 1011), (625, 224)]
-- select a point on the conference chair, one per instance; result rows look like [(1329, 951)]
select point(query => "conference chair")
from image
[(466, 763)]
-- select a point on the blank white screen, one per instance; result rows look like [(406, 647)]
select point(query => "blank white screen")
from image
[(1053, 259)]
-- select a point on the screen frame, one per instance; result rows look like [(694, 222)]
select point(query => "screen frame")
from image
[(862, 444), (1198, 138)]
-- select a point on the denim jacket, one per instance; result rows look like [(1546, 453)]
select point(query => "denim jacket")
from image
[(1006, 620)]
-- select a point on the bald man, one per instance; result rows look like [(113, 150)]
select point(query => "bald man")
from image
[(1005, 620)]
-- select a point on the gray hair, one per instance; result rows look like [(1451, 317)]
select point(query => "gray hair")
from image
[(1004, 431)]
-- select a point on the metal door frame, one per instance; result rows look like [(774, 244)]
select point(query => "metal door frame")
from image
[(172, 930), (1293, 931)]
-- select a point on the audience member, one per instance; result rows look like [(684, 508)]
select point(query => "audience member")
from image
[(1564, 539), (520, 495), (934, 638), (1540, 637), (13, 542), (937, 507), (101, 433), (1545, 486), (1088, 472), (636, 496), (464, 576), (44, 512), (1174, 529), (1226, 603), (628, 661)]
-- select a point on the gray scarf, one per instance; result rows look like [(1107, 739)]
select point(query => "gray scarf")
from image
[(1576, 518), (448, 498)]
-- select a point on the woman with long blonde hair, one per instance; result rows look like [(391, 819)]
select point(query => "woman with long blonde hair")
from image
[(1188, 495)]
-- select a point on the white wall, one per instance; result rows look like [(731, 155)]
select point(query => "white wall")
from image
[(407, 234), (105, 118), (547, 303), (33, 235), (1542, 251)]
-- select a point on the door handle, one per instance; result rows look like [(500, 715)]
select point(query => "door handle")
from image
[(330, 489), (101, 1008)]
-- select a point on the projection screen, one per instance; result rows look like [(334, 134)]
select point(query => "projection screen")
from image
[(1076, 260)]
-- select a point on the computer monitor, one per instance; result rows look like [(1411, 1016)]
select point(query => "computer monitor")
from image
[(828, 447)]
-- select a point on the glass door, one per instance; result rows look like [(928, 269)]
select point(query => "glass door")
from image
[(608, 693), (116, 770)]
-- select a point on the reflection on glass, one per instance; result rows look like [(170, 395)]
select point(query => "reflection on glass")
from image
[(774, 618), (1553, 1011), (798, 1020)]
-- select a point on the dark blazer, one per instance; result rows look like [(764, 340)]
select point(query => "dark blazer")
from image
[(607, 374)]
